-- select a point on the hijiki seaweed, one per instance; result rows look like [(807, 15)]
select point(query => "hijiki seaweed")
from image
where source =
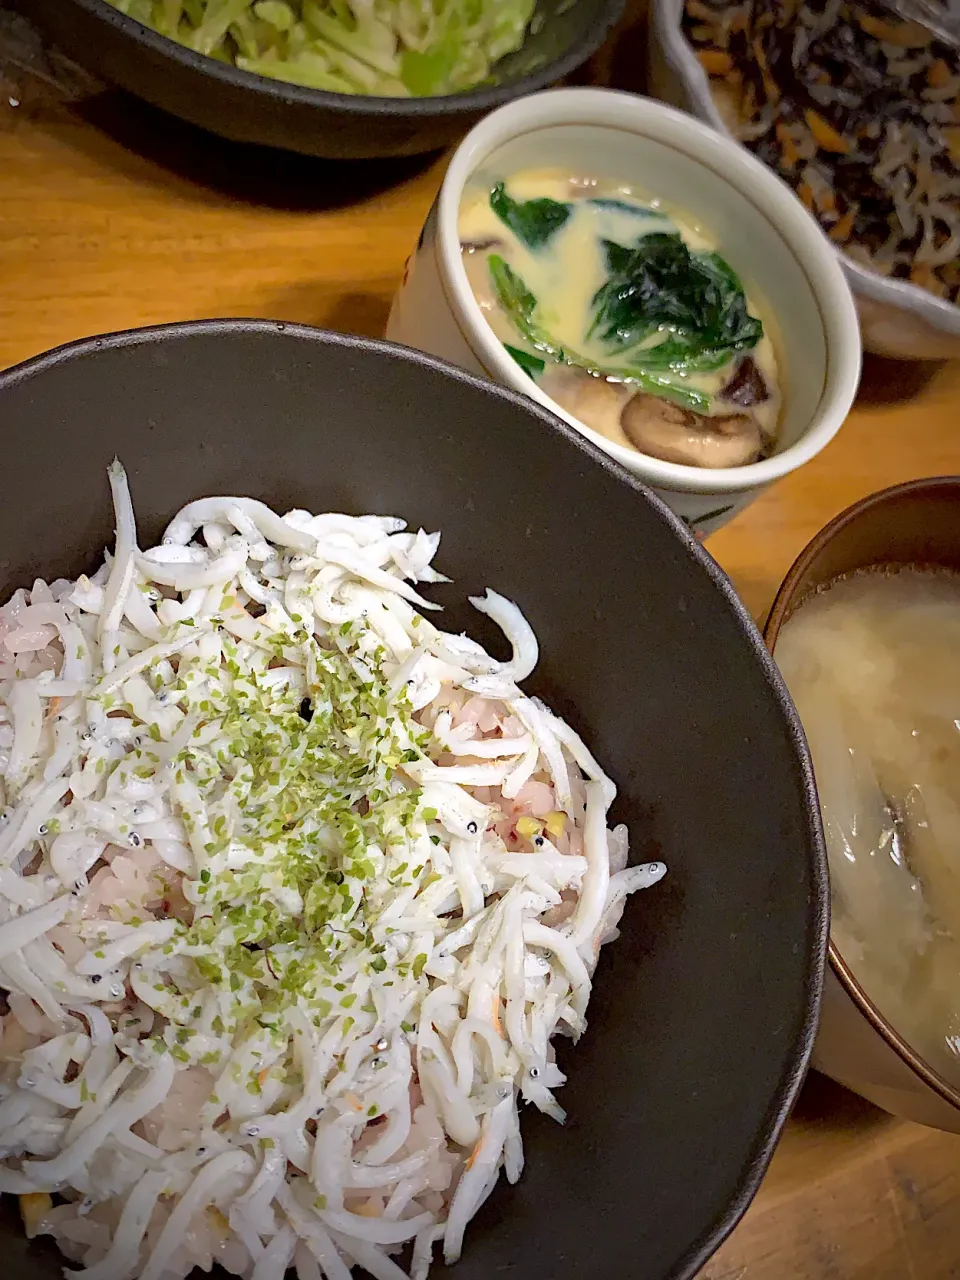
[(859, 110)]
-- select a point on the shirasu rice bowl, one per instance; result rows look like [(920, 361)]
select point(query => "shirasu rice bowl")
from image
[(295, 889)]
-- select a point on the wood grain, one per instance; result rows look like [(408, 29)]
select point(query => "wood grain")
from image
[(112, 216)]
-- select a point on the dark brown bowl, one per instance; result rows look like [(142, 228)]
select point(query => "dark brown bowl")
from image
[(705, 1010), (917, 523), (250, 108)]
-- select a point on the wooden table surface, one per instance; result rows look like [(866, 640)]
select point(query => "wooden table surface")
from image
[(113, 216)]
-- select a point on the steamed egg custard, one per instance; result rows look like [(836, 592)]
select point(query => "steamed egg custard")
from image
[(624, 314)]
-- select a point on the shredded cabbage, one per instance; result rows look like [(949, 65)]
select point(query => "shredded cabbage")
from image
[(391, 48)]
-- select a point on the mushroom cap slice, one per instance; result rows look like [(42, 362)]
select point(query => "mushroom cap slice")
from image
[(747, 385), (671, 433), (593, 401)]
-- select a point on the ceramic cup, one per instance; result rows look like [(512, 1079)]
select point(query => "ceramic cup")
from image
[(755, 220), (897, 318), (917, 523)]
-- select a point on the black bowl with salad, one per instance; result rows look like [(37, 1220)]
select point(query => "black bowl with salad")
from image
[(335, 79)]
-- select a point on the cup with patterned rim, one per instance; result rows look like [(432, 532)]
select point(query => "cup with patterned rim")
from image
[(757, 222)]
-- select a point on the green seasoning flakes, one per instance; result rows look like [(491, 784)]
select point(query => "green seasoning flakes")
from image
[(298, 824)]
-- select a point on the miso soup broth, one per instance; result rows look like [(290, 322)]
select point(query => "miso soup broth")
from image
[(873, 665), (624, 314)]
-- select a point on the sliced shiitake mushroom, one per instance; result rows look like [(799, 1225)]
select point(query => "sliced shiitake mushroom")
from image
[(593, 401), (747, 386), (667, 431)]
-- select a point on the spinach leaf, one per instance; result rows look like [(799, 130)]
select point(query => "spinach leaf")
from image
[(519, 303), (658, 284), (531, 365), (532, 221)]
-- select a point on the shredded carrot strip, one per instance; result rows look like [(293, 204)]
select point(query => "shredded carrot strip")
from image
[(905, 35), (922, 274), (824, 133), (788, 147), (840, 231), (770, 87), (472, 1157), (715, 62), (938, 74)]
